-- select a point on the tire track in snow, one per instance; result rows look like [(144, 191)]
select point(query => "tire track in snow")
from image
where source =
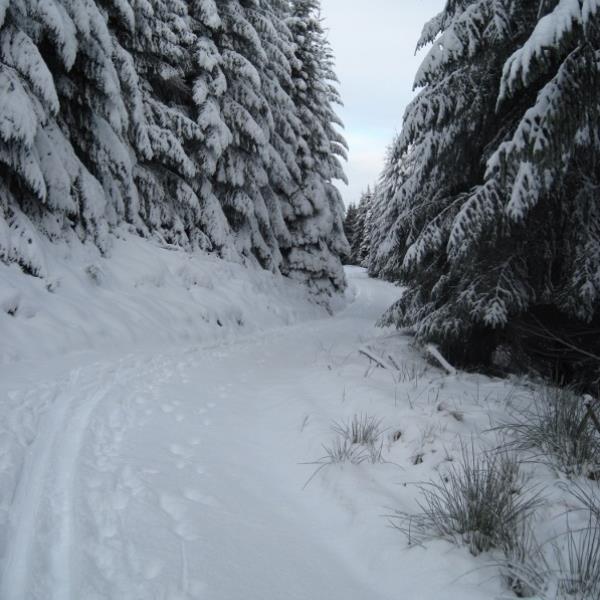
[(43, 503), (39, 561), (69, 487)]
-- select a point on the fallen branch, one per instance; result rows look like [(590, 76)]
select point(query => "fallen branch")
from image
[(380, 362), (436, 354)]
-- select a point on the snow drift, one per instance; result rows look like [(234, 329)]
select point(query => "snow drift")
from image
[(141, 293)]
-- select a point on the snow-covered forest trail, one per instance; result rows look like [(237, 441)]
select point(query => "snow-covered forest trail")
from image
[(177, 475), (180, 473)]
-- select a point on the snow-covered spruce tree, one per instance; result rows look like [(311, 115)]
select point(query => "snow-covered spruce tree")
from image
[(182, 119), (364, 221), (285, 126), (62, 114), (155, 49), (236, 120), (492, 187), (385, 212), (359, 230), (373, 234), (315, 212), (350, 230)]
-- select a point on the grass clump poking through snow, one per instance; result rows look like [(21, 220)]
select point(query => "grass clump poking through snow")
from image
[(357, 441), (524, 566), (574, 556), (552, 429), (361, 430), (579, 563), (588, 495), (578, 557), (574, 575), (481, 502), (342, 451)]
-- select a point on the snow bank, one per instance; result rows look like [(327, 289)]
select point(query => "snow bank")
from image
[(140, 294), (196, 473)]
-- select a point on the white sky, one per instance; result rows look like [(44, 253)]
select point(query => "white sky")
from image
[(374, 45)]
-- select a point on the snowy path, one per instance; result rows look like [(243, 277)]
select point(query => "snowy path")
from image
[(178, 475)]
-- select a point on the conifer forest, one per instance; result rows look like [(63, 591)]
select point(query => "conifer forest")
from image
[(299, 299)]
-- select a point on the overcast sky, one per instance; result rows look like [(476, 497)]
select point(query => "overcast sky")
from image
[(374, 45)]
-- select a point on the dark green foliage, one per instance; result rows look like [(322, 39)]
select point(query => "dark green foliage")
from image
[(350, 230), (489, 199), (358, 227)]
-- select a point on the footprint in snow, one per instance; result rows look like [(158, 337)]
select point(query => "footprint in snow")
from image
[(199, 497), (186, 531), (178, 450), (182, 453), (176, 507)]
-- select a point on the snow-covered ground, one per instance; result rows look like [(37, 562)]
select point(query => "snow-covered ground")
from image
[(140, 294), (179, 472)]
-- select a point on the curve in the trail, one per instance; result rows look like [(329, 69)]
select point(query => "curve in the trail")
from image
[(176, 476)]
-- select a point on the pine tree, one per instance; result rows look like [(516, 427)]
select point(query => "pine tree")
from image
[(201, 124), (361, 229), (248, 116), (491, 189), (350, 231), (367, 228), (62, 113), (208, 85), (155, 59), (315, 214), (391, 229)]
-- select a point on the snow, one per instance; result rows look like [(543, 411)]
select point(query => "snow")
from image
[(64, 33), (21, 53), (548, 33), (525, 192), (209, 12), (147, 453), (140, 293), (18, 117)]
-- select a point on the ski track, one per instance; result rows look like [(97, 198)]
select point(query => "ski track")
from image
[(177, 476)]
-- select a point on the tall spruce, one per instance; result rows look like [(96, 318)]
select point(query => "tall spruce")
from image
[(202, 124), (154, 57), (361, 246), (490, 193), (241, 170), (350, 231), (316, 211), (62, 114)]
